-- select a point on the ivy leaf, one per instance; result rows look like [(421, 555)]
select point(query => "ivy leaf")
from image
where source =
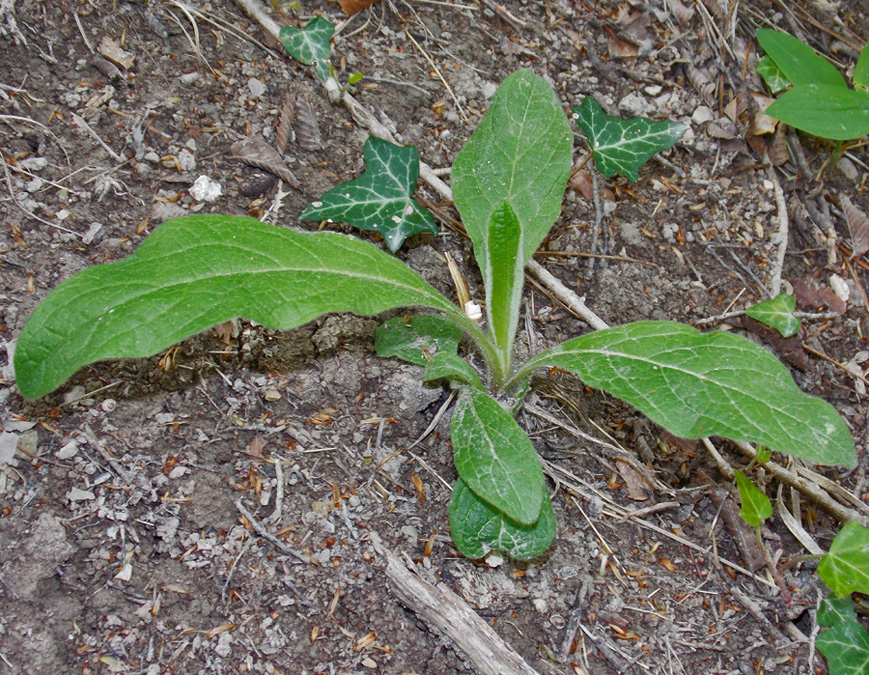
[(196, 272), (379, 200), (310, 45), (824, 110), (845, 568), (704, 384), (418, 338), (846, 646), (495, 458), (835, 610), (623, 146), (773, 76), (797, 61), (478, 528), (756, 506), (777, 313)]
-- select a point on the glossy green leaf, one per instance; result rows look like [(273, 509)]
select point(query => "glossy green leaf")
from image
[(756, 506), (800, 63), (478, 528), (777, 313), (504, 277), (773, 76), (310, 45), (861, 70), (519, 153), (835, 610), (193, 273), (845, 568), (846, 647), (495, 458), (417, 338), (623, 146), (451, 367), (705, 384), (824, 110), (379, 200)]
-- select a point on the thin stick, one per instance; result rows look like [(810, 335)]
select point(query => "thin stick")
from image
[(268, 536), (782, 217), (80, 122), (279, 490), (440, 77)]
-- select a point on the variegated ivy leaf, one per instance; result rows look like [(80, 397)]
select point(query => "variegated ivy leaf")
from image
[(310, 45), (845, 568), (773, 76), (623, 146), (379, 199), (777, 313)]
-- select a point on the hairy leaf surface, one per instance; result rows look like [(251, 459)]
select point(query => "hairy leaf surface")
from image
[(705, 384), (495, 458), (446, 366), (379, 200), (193, 273), (504, 278), (478, 528), (417, 338), (520, 153)]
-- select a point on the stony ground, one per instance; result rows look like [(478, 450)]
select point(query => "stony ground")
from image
[(123, 544)]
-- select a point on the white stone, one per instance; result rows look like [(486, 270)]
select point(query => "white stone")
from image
[(204, 189)]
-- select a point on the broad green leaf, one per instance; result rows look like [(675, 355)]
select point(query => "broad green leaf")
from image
[(623, 146), (379, 199), (835, 610), (773, 76), (846, 646), (861, 70), (800, 63), (195, 272), (417, 338), (520, 153), (824, 110), (495, 458), (478, 528), (310, 45), (756, 506), (705, 384), (777, 313), (451, 367), (845, 568), (504, 276)]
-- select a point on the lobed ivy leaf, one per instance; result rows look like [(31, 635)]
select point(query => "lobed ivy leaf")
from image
[(623, 146), (193, 273), (797, 61), (835, 610), (520, 153), (379, 200), (417, 338), (825, 110), (495, 458), (846, 647), (713, 384), (777, 313), (478, 528), (773, 76), (756, 506), (845, 568), (310, 45)]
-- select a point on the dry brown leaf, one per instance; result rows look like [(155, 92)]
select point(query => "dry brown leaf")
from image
[(350, 7), (703, 84), (255, 151), (227, 331), (285, 122), (858, 226), (811, 293), (255, 449), (682, 13), (638, 487), (113, 52), (307, 127), (778, 149), (581, 182), (621, 49)]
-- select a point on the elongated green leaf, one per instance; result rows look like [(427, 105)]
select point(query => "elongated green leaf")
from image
[(504, 277), (777, 313), (773, 76), (713, 384), (845, 568), (824, 110), (495, 458), (379, 199), (756, 506), (478, 528), (310, 45), (417, 338), (861, 70), (800, 63), (520, 153), (835, 610), (846, 646), (623, 146), (451, 367), (193, 273)]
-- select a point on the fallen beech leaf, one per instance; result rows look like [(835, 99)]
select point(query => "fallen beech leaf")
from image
[(350, 7), (858, 226), (809, 292), (582, 183), (638, 487), (621, 49)]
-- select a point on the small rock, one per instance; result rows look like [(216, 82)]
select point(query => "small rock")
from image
[(186, 160), (78, 495), (702, 115), (272, 395), (152, 157), (204, 189), (68, 451), (189, 78), (256, 87), (635, 105), (847, 168), (256, 185)]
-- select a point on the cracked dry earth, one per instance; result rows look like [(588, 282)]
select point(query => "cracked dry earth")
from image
[(123, 546)]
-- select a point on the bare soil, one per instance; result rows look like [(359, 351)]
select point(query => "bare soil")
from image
[(122, 549)]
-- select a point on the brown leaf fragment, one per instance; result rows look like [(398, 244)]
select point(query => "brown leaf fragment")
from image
[(778, 149), (811, 293), (163, 211), (621, 49), (637, 486), (255, 449), (581, 182), (254, 150), (113, 52), (790, 349), (284, 130), (703, 84), (743, 535), (227, 331), (858, 226), (350, 7), (307, 128), (682, 13)]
